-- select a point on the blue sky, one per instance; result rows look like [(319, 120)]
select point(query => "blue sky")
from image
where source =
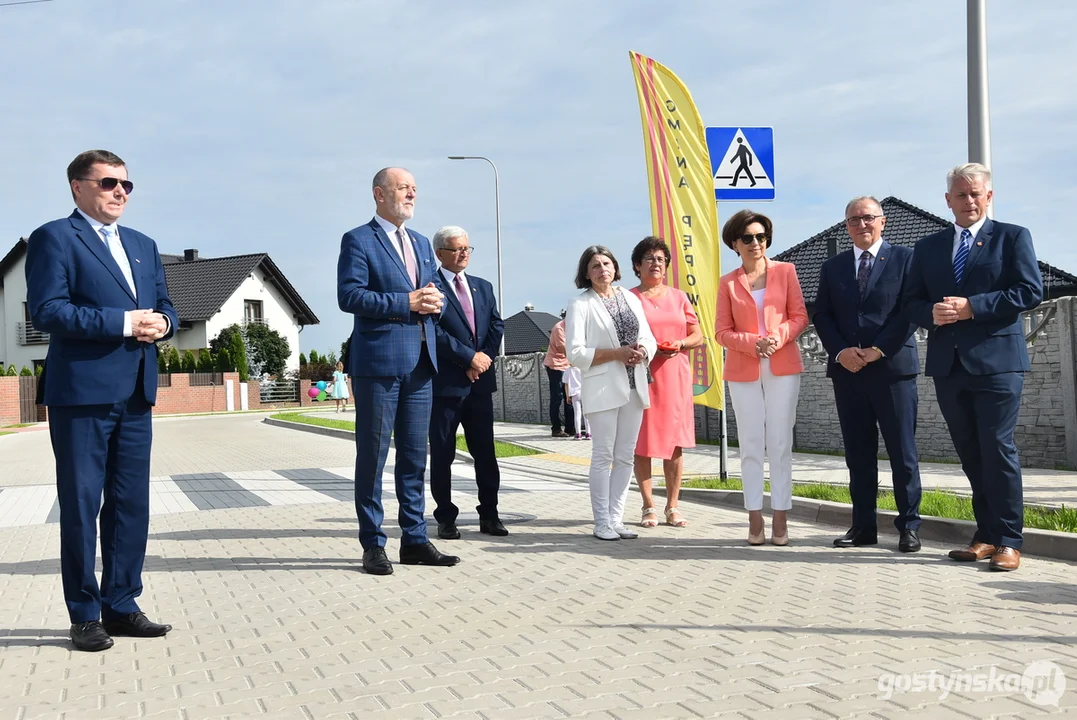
[(256, 126)]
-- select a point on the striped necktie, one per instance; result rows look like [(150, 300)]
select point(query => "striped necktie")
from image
[(962, 255)]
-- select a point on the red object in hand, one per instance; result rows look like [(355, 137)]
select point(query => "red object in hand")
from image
[(667, 347)]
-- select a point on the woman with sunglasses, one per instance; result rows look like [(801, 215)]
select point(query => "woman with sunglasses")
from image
[(760, 315)]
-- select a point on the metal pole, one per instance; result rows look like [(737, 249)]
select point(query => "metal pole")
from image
[(500, 283), (979, 113), (723, 472)]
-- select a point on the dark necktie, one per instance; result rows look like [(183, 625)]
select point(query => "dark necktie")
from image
[(863, 272), (962, 255)]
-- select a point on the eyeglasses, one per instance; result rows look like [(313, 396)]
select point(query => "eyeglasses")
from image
[(655, 259), (866, 219), (108, 184), (748, 238), (459, 251)]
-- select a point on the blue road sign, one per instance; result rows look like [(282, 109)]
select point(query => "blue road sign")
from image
[(742, 162)]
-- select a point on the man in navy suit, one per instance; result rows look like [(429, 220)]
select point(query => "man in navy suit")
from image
[(873, 365), (969, 285), (99, 290), (385, 279), (468, 338)]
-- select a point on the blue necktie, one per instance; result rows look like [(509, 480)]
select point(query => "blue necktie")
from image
[(962, 255), (863, 273)]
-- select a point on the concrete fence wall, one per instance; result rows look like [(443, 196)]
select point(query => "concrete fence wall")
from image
[(1047, 425)]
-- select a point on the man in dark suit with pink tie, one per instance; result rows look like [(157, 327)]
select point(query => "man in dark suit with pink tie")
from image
[(468, 339), (385, 280)]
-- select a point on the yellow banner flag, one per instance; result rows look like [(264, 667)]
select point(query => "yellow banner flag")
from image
[(683, 209)]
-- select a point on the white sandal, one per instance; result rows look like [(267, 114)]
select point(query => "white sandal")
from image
[(650, 518)]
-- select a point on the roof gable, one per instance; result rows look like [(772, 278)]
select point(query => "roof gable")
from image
[(11, 258), (528, 331), (905, 224)]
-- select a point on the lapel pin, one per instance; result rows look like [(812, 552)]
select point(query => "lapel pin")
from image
[(979, 242), (138, 261)]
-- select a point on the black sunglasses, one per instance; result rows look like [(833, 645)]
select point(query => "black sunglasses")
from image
[(748, 238), (109, 184)]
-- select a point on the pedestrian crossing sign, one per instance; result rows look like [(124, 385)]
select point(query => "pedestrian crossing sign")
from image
[(742, 162)]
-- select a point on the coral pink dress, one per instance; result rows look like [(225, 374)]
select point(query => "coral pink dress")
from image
[(669, 423)]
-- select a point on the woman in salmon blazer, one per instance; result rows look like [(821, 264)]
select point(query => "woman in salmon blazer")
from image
[(760, 315)]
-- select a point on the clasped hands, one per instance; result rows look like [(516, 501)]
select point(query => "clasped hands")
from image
[(765, 347), (950, 310), (631, 355), (479, 364), (426, 300), (855, 359), (148, 326)]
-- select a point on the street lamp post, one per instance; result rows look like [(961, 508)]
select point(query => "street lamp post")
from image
[(500, 284), (497, 228)]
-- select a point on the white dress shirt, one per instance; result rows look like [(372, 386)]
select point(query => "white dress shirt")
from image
[(974, 229), (857, 252), (451, 283), (121, 259), (390, 230)]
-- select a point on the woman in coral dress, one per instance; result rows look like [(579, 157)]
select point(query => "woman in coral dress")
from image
[(669, 423)]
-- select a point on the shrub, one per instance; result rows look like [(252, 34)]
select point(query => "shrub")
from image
[(207, 363), (174, 364), (26, 372), (11, 371), (189, 364), (302, 359)]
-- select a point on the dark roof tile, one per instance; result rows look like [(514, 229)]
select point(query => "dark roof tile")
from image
[(528, 331)]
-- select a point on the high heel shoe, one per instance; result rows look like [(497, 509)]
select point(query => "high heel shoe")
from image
[(757, 539), (779, 539)]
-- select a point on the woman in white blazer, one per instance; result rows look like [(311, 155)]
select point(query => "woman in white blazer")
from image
[(608, 339)]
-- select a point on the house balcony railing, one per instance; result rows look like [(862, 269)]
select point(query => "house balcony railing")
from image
[(256, 321), (27, 334)]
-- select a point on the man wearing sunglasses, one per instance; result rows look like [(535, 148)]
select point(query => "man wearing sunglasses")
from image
[(873, 365), (99, 290)]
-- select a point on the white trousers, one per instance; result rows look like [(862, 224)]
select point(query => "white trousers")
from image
[(613, 447), (766, 412), (582, 423)]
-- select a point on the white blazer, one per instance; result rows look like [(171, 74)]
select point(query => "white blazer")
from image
[(589, 327)]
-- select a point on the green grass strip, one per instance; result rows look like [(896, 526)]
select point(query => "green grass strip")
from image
[(501, 449), (933, 503)]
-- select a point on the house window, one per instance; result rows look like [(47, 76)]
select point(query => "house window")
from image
[(252, 312), (26, 313)]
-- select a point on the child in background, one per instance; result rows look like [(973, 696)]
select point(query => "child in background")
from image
[(573, 384), (340, 388)]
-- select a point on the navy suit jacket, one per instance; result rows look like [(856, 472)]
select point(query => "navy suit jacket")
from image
[(457, 346), (842, 320), (1001, 280), (77, 293), (373, 285)]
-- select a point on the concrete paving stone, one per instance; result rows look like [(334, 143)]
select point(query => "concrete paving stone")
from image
[(539, 711)]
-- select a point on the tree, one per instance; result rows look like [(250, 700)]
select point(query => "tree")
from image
[(344, 348), (331, 358), (189, 364), (26, 372), (314, 356), (269, 350), (174, 364), (11, 371), (163, 349), (38, 370), (302, 359), (207, 363), (239, 357), (224, 361)]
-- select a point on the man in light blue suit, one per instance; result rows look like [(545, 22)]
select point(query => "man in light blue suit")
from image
[(968, 285), (99, 290), (385, 279)]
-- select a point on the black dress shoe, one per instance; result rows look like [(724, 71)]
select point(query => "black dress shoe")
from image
[(493, 526), (425, 554), (448, 531), (857, 537), (910, 541), (376, 562), (90, 637), (135, 625)]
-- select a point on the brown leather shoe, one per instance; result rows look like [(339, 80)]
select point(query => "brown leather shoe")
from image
[(975, 551), (1006, 558)]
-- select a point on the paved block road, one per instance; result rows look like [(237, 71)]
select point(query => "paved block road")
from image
[(273, 618)]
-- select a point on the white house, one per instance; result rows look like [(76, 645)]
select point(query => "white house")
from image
[(209, 294)]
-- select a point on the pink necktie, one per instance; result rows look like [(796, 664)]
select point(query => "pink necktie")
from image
[(465, 303), (409, 255)]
